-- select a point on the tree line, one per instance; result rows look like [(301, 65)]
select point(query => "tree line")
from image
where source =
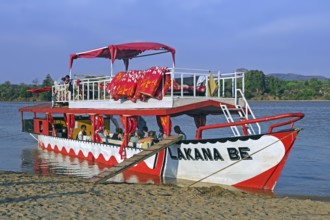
[(18, 92), (258, 86)]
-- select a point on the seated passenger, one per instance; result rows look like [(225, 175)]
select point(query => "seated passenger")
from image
[(148, 141), (106, 134), (152, 135), (81, 133), (118, 135), (160, 134), (136, 137)]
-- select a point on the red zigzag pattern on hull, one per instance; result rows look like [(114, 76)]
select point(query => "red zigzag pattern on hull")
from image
[(140, 167)]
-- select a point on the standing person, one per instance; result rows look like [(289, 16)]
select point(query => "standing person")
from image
[(68, 86), (82, 133), (145, 131), (178, 131)]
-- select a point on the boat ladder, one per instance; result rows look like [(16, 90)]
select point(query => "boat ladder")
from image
[(241, 115), (135, 159)]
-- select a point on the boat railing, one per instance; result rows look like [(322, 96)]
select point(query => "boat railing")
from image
[(289, 119), (185, 83), (248, 113), (60, 93), (208, 83), (91, 88)]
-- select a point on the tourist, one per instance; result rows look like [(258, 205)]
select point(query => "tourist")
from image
[(134, 138), (82, 133), (153, 137), (67, 81), (118, 135), (178, 131), (160, 134), (106, 134), (68, 87), (147, 141), (145, 131)]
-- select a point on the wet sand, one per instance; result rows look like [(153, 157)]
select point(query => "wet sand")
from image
[(57, 197)]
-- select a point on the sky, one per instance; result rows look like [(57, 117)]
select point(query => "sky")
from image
[(274, 36)]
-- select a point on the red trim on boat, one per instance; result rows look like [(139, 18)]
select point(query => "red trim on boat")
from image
[(271, 176)]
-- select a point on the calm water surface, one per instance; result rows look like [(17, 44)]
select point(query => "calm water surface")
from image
[(306, 172)]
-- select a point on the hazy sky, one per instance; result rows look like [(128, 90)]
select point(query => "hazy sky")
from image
[(275, 36)]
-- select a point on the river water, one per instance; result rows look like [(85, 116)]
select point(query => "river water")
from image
[(306, 172)]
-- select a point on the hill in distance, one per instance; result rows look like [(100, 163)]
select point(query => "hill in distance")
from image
[(298, 77)]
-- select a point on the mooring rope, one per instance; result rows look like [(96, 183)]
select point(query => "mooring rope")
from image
[(34, 137), (243, 158)]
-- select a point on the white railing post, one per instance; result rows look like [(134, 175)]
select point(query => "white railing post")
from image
[(223, 88), (172, 79), (181, 84), (235, 88), (232, 87), (219, 84), (206, 85), (243, 82), (194, 84), (88, 89)]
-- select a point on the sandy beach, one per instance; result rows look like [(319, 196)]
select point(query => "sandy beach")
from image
[(58, 197)]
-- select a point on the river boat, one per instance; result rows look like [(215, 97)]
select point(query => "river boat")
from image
[(211, 101)]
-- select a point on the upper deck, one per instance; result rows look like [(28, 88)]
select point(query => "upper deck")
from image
[(187, 87)]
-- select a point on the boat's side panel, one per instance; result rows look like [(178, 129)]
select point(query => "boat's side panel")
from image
[(222, 161), (253, 161), (103, 153), (85, 168)]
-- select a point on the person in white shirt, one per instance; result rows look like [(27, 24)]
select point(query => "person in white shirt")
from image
[(81, 133)]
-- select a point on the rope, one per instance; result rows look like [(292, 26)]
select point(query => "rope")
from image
[(34, 137), (243, 158)]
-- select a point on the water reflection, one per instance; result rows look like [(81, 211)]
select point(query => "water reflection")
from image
[(43, 162)]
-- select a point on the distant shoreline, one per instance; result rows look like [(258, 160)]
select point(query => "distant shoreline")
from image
[(311, 100)]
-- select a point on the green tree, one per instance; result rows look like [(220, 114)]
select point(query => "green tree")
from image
[(255, 83), (274, 86), (48, 81), (5, 91), (23, 94)]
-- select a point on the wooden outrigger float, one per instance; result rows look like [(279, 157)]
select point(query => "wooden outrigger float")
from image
[(248, 157)]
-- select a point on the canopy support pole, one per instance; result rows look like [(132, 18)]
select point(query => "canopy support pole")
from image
[(111, 69)]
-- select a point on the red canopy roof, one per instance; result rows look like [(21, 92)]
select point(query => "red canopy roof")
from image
[(123, 51)]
